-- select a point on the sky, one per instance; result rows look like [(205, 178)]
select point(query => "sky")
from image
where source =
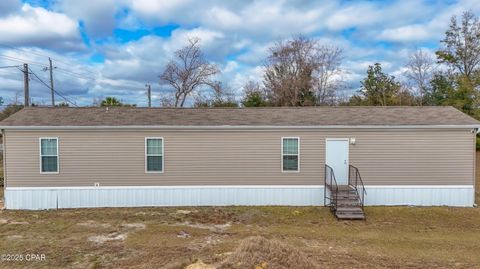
[(114, 48)]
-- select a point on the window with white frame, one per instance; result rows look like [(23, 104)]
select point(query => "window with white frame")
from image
[(154, 154), (290, 154), (49, 155)]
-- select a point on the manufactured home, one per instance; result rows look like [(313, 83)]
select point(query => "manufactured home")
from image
[(130, 157)]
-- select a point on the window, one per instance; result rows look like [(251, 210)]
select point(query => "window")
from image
[(290, 154), (154, 155), (49, 155)]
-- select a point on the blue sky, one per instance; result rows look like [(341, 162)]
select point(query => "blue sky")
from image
[(113, 48)]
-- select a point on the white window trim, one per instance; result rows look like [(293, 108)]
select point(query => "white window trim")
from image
[(298, 154), (163, 156), (40, 154)]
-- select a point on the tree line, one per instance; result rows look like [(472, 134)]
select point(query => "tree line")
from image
[(304, 72)]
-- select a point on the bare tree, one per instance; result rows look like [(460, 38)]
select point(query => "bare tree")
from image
[(301, 72), (326, 76), (221, 96), (288, 73), (462, 44), (420, 69), (167, 101), (188, 71)]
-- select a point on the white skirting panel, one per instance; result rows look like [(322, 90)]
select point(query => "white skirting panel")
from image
[(425, 195), (48, 198), (82, 197)]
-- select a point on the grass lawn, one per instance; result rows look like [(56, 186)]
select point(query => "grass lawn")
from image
[(391, 237)]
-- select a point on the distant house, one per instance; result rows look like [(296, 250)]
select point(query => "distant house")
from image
[(126, 157)]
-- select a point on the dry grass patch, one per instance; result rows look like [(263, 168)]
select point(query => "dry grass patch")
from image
[(392, 237), (259, 252)]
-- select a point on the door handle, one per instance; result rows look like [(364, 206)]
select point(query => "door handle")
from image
[(344, 161)]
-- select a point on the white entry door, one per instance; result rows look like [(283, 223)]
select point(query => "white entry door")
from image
[(337, 158)]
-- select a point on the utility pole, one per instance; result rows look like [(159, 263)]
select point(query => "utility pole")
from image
[(25, 85), (51, 82), (149, 93)]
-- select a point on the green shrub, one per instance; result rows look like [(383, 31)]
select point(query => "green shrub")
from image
[(478, 142)]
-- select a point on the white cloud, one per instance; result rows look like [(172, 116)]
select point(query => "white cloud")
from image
[(9, 6), (98, 16), (143, 60), (432, 25), (236, 35), (259, 19), (416, 32), (163, 10), (38, 26), (356, 15)]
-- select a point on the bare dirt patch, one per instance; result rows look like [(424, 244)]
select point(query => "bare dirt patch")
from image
[(94, 224), (100, 239), (14, 237), (121, 235), (135, 226), (200, 265), (217, 228)]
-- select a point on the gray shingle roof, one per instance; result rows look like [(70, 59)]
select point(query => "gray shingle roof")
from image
[(298, 116)]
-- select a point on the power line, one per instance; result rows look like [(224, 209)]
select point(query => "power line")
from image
[(15, 48), (9, 66), (63, 70), (77, 75), (15, 59), (46, 85), (42, 55), (56, 92)]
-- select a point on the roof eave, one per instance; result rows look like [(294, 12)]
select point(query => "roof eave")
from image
[(233, 127)]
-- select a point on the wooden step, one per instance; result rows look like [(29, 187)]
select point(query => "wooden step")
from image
[(354, 209), (349, 212), (348, 203), (347, 191), (347, 195), (348, 206), (344, 187)]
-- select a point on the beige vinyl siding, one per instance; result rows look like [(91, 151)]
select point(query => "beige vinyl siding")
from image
[(240, 157)]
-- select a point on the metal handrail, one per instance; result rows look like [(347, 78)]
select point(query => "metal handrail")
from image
[(331, 184), (355, 184)]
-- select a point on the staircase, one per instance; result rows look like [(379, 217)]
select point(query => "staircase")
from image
[(345, 201), (348, 204)]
